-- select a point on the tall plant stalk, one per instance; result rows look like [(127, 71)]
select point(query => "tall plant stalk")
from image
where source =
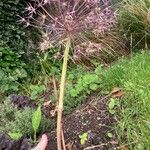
[(61, 94), (70, 20)]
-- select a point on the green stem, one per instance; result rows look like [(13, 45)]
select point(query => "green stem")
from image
[(61, 95), (34, 137)]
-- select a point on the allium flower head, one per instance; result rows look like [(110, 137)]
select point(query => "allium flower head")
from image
[(59, 19)]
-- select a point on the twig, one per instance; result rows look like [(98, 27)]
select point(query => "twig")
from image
[(63, 141), (95, 146), (55, 88), (122, 146)]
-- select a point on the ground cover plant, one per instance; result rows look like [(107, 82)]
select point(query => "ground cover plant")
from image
[(15, 121)]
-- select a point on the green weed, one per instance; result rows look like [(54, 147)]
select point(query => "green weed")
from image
[(83, 138), (80, 84)]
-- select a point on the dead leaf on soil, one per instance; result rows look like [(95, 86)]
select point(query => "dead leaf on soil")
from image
[(116, 92), (46, 104), (69, 146), (52, 113)]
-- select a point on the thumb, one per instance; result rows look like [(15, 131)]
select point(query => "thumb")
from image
[(42, 144)]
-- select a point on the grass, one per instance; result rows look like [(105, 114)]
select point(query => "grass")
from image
[(134, 20), (133, 76)]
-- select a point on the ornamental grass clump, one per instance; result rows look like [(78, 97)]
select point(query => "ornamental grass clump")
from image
[(67, 23), (134, 21)]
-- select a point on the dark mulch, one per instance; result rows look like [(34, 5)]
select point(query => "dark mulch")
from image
[(92, 118)]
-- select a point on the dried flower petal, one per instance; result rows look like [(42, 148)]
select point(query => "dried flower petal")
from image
[(62, 18)]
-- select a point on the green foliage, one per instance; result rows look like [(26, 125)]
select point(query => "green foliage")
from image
[(133, 121), (19, 121), (12, 69), (15, 136), (80, 84), (110, 135), (12, 33), (47, 62), (45, 68), (85, 84), (83, 138), (35, 90), (134, 22), (13, 46), (112, 104), (36, 120), (13, 43)]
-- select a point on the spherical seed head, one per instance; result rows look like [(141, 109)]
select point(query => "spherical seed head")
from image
[(73, 18)]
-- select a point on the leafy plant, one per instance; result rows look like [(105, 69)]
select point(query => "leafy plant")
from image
[(15, 136), (15, 46), (12, 69), (35, 90), (12, 33), (85, 84), (83, 138), (80, 83), (15, 122), (36, 120), (110, 135), (112, 104)]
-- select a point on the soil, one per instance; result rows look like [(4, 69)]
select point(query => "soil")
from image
[(92, 118)]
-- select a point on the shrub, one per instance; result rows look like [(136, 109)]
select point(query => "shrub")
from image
[(18, 121), (11, 33), (12, 69), (16, 46), (13, 45)]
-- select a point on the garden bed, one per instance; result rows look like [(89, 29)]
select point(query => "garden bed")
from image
[(91, 119)]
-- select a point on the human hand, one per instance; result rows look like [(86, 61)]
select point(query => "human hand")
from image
[(42, 144)]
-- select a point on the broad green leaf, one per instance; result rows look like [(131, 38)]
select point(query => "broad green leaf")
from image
[(93, 87), (73, 93), (36, 119), (34, 95), (41, 88), (111, 104), (110, 135), (88, 91), (15, 136), (112, 111)]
